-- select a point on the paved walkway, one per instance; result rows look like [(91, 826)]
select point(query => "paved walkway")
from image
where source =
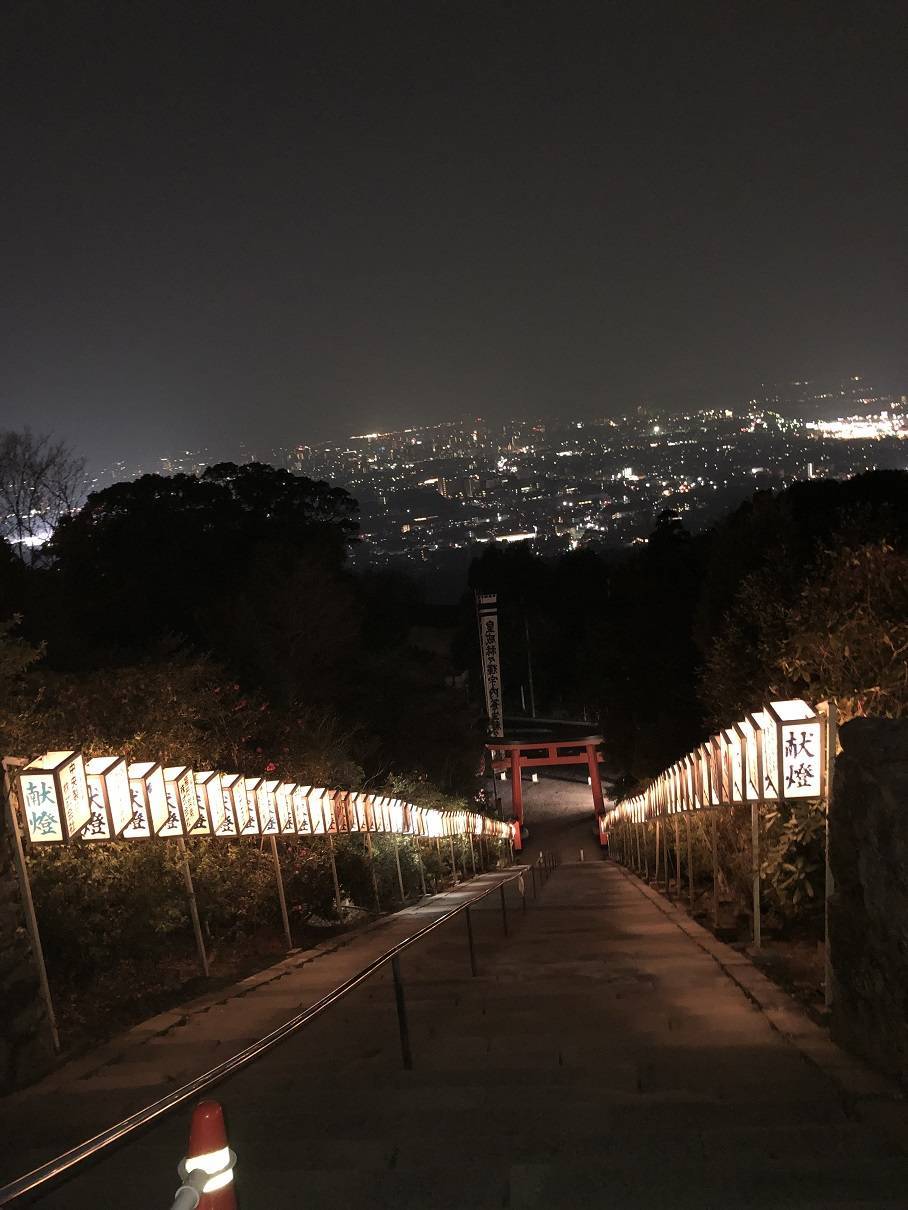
[(603, 1055)]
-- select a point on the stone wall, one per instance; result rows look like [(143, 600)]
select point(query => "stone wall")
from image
[(868, 916), (25, 1046)]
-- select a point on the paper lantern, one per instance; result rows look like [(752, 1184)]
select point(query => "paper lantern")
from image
[(150, 811), (186, 817), (54, 797), (301, 810), (286, 819), (800, 736), (108, 793), (265, 802)]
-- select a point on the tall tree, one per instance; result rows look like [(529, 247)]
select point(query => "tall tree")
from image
[(41, 481)]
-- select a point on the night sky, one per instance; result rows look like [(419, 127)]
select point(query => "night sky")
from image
[(286, 222)]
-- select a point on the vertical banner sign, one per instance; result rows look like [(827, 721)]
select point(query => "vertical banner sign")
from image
[(487, 611)]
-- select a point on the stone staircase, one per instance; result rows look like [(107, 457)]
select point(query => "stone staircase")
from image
[(599, 1057)]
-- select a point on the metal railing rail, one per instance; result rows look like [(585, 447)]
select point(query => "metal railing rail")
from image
[(62, 1164)]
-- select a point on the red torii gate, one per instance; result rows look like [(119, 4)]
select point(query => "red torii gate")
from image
[(520, 754)]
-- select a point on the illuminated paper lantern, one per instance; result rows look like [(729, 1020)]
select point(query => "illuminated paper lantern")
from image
[(286, 819), (253, 826), (150, 811), (397, 815), (266, 804), (751, 758), (237, 804), (317, 817), (358, 812), (185, 814), (221, 820), (341, 820), (800, 748), (108, 793), (301, 810), (54, 797), (734, 755)]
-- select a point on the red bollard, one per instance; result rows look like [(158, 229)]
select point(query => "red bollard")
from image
[(209, 1154)]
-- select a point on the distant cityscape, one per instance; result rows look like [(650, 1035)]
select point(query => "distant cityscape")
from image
[(430, 494)]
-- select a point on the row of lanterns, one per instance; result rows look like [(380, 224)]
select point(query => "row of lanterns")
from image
[(777, 752), (65, 797)]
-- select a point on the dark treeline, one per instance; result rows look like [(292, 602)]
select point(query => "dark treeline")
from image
[(800, 593)]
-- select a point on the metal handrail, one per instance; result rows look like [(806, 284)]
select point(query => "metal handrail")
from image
[(144, 1117)]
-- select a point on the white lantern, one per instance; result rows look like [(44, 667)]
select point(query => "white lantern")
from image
[(236, 804), (301, 810), (150, 811), (267, 796), (54, 797), (252, 786), (108, 792), (800, 748), (734, 755), (286, 820), (182, 798)]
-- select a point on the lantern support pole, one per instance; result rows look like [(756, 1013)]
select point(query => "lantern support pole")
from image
[(829, 710), (665, 855), (715, 853), (656, 871), (472, 854), (422, 872), (645, 850), (677, 856), (400, 877), (690, 864), (639, 858), (279, 878), (334, 879), (453, 860), (193, 905), (371, 855), (25, 890)]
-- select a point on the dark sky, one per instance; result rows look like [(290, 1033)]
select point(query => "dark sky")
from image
[(259, 221)]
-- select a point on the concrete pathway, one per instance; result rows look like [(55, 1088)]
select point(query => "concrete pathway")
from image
[(603, 1055)]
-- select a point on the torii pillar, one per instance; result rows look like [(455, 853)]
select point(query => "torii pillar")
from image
[(592, 759), (516, 786)]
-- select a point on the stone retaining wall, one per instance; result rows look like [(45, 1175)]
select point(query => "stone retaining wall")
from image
[(25, 1047), (868, 916)]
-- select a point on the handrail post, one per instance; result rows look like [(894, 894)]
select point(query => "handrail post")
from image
[(504, 911), (473, 970), (402, 1024)]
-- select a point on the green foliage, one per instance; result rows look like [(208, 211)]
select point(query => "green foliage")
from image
[(793, 866)]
